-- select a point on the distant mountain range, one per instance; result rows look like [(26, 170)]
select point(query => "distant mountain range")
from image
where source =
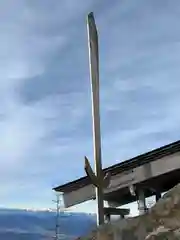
[(36, 225)]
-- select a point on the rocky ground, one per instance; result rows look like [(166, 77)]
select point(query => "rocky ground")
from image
[(161, 222)]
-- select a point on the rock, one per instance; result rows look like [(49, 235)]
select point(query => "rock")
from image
[(161, 222)]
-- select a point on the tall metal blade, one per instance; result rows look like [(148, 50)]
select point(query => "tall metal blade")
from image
[(94, 76)]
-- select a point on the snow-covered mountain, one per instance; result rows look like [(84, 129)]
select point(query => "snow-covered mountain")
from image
[(35, 225)]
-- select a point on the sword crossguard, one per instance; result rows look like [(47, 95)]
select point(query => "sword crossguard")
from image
[(104, 182)]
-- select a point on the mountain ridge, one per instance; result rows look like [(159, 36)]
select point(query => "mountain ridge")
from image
[(35, 225)]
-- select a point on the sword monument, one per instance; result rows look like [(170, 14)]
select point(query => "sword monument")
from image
[(97, 178)]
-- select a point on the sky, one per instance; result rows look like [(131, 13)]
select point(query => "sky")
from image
[(45, 99)]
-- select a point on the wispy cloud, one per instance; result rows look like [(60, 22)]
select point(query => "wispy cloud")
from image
[(45, 106)]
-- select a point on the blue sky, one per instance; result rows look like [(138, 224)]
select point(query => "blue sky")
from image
[(45, 102)]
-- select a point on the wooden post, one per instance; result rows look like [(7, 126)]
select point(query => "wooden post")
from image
[(94, 78), (141, 202), (158, 195)]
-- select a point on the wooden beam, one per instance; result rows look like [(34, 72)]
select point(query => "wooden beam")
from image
[(113, 204), (116, 211)]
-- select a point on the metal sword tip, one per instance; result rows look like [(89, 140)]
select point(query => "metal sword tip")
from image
[(91, 15)]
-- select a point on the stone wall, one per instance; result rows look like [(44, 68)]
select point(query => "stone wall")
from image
[(162, 221)]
